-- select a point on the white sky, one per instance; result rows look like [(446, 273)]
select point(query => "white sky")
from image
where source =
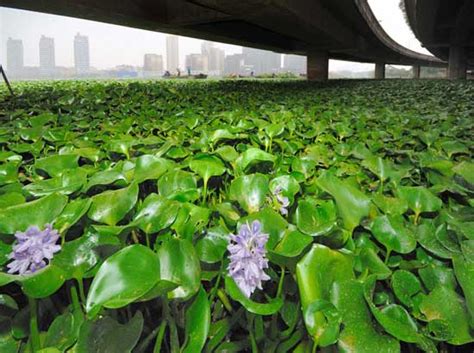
[(112, 45)]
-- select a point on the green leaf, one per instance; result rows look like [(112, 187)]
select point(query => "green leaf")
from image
[(249, 191), (43, 283), (110, 207), (405, 285), (178, 185), (393, 233), (207, 166), (149, 167), (359, 333), (393, 318), (292, 244), (315, 220), (445, 304), (316, 274), (198, 321), (272, 223), (180, 264), (57, 164), (420, 199), (464, 270), (122, 278), (77, 257), (425, 235), (61, 333), (156, 213), (213, 245), (352, 204), (466, 170), (268, 308), (253, 156), (33, 213), (108, 336), (72, 213)]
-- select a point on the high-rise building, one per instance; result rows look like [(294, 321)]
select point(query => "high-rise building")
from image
[(15, 57), (81, 54), (215, 58), (197, 63), (233, 64), (172, 53), (152, 65), (47, 56), (262, 61), (295, 64)]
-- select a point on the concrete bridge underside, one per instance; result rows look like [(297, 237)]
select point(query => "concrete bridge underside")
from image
[(320, 29), (446, 29)]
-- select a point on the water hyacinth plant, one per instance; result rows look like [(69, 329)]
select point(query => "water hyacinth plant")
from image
[(237, 216), (34, 249), (247, 257)]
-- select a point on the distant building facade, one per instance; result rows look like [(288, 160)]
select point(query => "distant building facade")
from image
[(295, 64), (197, 63), (15, 64), (262, 61), (81, 54), (233, 64), (215, 58), (172, 53), (152, 65), (47, 56)]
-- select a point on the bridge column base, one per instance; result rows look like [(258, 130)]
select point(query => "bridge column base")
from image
[(379, 73), (457, 63), (416, 71), (317, 66)]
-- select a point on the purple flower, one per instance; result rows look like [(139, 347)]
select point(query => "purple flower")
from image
[(247, 257), (34, 249), (283, 201)]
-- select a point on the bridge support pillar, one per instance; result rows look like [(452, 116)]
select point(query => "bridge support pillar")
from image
[(457, 63), (379, 71), (416, 71), (317, 66)]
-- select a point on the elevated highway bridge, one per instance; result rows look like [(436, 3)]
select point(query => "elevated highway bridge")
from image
[(319, 29)]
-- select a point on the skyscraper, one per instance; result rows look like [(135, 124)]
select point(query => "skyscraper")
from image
[(233, 64), (15, 56), (262, 61), (172, 53), (152, 65), (197, 63), (215, 58), (47, 56), (294, 63), (81, 54)]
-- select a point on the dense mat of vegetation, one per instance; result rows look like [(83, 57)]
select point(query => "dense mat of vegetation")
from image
[(365, 189)]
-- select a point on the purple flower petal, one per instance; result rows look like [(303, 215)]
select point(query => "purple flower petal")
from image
[(34, 249), (247, 257)]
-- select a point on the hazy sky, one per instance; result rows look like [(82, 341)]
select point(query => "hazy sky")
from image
[(112, 45)]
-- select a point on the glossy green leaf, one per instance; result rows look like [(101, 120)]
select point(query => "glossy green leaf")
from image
[(178, 185), (249, 191), (316, 274), (149, 167), (123, 278), (156, 213), (352, 204), (393, 233), (179, 263), (56, 165), (315, 220), (110, 207), (38, 212), (268, 308), (108, 336), (198, 320), (445, 304), (420, 199)]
